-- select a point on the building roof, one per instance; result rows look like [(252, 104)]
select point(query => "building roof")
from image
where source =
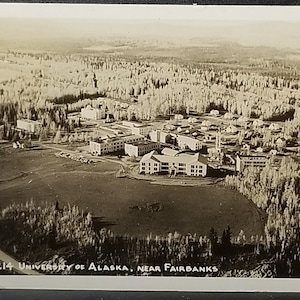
[(148, 156), (187, 138), (108, 139), (91, 108), (143, 143), (169, 152), (29, 121), (128, 137), (241, 156), (201, 158), (178, 158)]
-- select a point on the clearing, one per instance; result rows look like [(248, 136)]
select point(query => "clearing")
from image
[(120, 204)]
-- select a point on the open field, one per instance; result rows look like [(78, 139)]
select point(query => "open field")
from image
[(41, 176)]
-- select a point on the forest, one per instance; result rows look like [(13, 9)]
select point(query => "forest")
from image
[(276, 191), (51, 233), (51, 86)]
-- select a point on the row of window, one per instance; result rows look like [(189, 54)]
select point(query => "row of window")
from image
[(155, 169), (254, 158), (196, 167), (183, 170), (196, 171), (193, 172), (106, 149), (261, 163), (181, 165)]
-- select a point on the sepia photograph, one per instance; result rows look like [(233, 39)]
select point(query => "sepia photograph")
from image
[(149, 141)]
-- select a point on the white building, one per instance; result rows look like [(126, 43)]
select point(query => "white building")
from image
[(138, 128), (158, 136), (92, 113), (192, 120), (186, 142), (181, 163), (231, 129), (244, 161), (142, 130), (28, 125), (280, 143), (140, 148), (183, 141), (112, 144), (214, 112), (178, 117), (205, 125), (258, 123), (169, 126)]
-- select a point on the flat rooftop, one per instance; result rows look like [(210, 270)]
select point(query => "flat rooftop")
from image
[(117, 138), (29, 121), (144, 143)]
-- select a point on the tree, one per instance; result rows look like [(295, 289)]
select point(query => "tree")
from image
[(57, 138), (226, 241), (71, 139), (27, 143), (15, 137), (43, 134), (213, 237), (52, 238)]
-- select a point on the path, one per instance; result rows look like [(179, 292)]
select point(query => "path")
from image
[(86, 155), (131, 170), (15, 264)]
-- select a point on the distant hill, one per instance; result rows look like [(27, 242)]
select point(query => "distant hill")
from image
[(46, 33)]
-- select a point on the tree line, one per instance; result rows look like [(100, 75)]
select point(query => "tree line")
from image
[(276, 190), (41, 232)]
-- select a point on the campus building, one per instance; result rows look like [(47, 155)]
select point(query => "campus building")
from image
[(187, 142), (92, 113), (158, 136), (142, 130), (138, 128), (28, 125), (183, 141), (114, 144), (173, 163), (140, 148), (243, 161)]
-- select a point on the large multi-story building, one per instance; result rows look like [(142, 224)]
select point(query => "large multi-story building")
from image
[(140, 148), (142, 130), (180, 163), (158, 136), (183, 141), (114, 144), (243, 161), (92, 113), (187, 142), (28, 125), (138, 128)]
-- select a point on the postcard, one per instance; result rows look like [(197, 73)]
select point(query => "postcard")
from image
[(149, 147)]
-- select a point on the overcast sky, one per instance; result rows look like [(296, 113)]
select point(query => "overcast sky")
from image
[(191, 25), (154, 12)]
